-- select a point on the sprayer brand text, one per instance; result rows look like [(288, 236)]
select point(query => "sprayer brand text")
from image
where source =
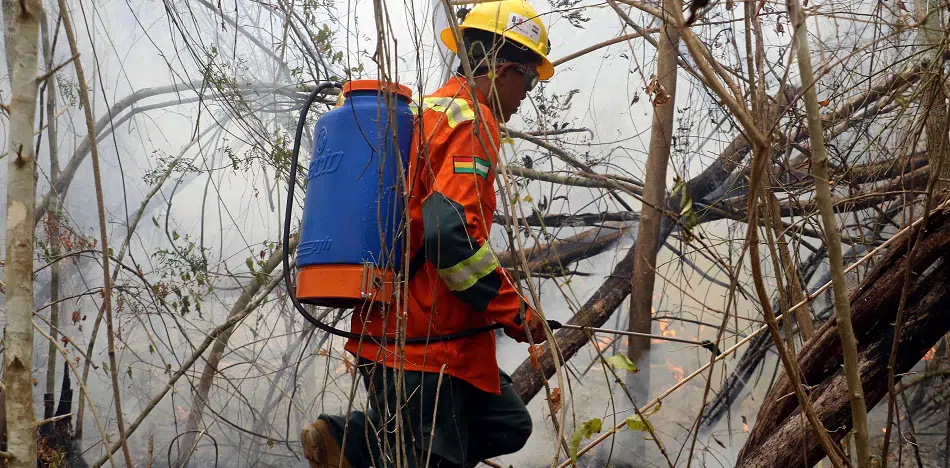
[(325, 164), (314, 247)]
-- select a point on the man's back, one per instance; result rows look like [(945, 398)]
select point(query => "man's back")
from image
[(456, 283)]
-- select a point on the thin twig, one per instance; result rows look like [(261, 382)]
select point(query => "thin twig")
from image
[(53, 419), (103, 227), (50, 73)]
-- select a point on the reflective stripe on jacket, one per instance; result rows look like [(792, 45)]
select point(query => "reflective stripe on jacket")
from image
[(461, 284)]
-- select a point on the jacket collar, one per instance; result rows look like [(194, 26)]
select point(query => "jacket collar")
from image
[(458, 85)]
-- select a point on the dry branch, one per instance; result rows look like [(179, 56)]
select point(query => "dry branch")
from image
[(103, 229), (568, 220)]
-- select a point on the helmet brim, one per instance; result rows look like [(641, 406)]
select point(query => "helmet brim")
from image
[(545, 69)]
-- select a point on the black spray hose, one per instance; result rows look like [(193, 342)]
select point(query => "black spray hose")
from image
[(295, 157)]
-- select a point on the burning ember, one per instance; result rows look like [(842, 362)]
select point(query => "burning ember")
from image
[(665, 330), (931, 354), (678, 373)]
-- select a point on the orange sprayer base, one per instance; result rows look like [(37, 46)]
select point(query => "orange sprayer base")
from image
[(344, 286)]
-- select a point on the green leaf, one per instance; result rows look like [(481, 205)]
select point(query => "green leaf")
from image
[(151, 349), (621, 361), (636, 423), (250, 263), (586, 430), (175, 235), (129, 372)]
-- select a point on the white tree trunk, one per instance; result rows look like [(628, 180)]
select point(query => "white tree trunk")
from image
[(24, 18)]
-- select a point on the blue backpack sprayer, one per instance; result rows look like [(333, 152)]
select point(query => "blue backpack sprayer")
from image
[(351, 248)]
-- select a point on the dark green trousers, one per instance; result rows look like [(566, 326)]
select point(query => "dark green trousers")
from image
[(466, 426)]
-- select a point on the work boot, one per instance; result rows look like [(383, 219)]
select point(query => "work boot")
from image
[(320, 447)]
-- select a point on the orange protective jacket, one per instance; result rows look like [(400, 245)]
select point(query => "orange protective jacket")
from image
[(460, 285)]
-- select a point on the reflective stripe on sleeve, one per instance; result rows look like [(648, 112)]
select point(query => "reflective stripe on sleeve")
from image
[(466, 273)]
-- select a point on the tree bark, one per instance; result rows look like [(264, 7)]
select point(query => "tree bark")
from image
[(779, 433), (23, 18), (654, 193)]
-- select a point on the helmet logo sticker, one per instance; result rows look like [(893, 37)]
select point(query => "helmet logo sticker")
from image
[(524, 27)]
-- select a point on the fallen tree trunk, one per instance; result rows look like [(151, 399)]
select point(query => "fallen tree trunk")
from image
[(569, 220), (780, 437), (557, 255)]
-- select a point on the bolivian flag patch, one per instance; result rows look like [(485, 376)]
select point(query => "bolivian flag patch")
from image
[(471, 165)]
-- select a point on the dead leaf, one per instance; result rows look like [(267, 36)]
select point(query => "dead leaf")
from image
[(536, 351), (349, 366), (824, 103), (322, 352), (35, 383), (658, 94), (65, 340), (75, 316), (555, 399)]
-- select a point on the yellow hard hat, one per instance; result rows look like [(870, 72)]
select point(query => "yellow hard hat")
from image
[(516, 20)]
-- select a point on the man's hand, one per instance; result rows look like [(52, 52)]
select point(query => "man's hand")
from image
[(535, 326)]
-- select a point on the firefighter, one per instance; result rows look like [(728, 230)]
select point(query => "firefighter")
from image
[(457, 407)]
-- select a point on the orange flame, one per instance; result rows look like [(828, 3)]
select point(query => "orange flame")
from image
[(678, 373), (665, 330), (931, 354)]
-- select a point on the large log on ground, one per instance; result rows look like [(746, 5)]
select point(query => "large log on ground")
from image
[(780, 436)]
